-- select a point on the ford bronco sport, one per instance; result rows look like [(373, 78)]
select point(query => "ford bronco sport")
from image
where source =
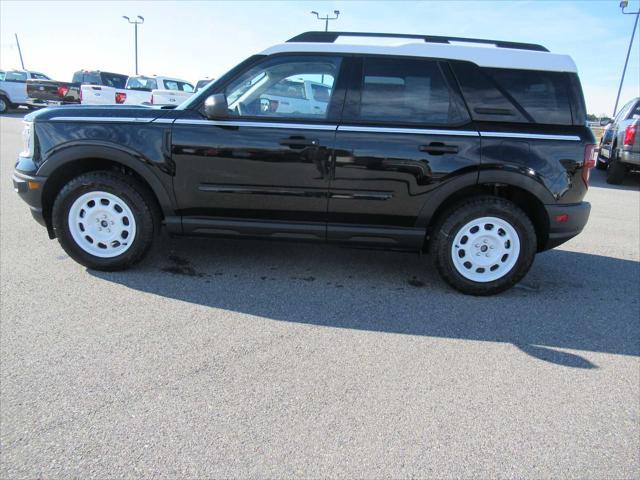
[(475, 151)]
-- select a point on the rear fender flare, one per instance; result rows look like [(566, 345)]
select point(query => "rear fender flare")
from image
[(440, 196)]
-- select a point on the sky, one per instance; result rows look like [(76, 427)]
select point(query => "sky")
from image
[(200, 39)]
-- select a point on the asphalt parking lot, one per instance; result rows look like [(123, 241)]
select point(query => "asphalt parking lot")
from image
[(217, 358)]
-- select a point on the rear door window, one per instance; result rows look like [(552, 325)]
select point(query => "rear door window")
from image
[(405, 91)]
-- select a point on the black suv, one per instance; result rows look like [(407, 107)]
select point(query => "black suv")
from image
[(478, 154)]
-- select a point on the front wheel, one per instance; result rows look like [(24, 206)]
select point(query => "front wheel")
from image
[(104, 220), (484, 246), (4, 105)]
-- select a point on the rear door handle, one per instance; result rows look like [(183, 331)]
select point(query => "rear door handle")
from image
[(299, 142), (437, 148)]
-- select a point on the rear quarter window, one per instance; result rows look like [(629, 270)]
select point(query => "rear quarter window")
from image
[(520, 96), (543, 95)]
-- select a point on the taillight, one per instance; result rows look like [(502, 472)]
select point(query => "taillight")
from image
[(590, 154), (630, 134), (152, 98), (120, 97), (62, 91)]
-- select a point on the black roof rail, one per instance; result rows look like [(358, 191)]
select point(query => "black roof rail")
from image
[(330, 37)]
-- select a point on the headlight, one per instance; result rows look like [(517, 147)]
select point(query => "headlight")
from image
[(27, 140)]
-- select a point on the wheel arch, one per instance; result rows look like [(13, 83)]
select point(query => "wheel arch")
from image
[(529, 195), (66, 164)]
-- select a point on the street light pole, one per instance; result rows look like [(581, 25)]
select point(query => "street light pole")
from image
[(135, 26), (624, 5), (326, 18), (19, 50)]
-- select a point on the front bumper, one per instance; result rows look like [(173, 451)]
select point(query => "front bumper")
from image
[(29, 188), (565, 222)]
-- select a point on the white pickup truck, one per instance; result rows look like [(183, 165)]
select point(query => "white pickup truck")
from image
[(155, 90), (99, 88), (296, 97), (13, 88)]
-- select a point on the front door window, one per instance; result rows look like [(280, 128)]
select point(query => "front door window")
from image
[(293, 88)]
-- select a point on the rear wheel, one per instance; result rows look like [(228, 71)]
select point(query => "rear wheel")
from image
[(601, 163), (484, 246), (4, 104), (104, 220), (615, 171)]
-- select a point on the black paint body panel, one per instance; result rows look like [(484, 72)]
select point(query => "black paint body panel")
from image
[(376, 188)]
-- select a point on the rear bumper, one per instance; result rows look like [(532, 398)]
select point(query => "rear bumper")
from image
[(35, 102), (631, 158), (561, 230)]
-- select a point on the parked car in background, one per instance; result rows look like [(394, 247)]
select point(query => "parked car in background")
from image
[(13, 88), (51, 92), (618, 152), (296, 97), (154, 90), (445, 146), (99, 88), (203, 83)]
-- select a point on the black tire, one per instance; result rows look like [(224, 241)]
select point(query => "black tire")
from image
[(601, 164), (615, 171), (4, 104), (460, 215), (137, 198)]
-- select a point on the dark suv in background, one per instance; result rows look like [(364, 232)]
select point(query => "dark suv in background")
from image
[(619, 150), (475, 151)]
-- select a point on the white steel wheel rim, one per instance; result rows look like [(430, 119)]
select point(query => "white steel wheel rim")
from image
[(102, 224), (3, 104), (485, 249)]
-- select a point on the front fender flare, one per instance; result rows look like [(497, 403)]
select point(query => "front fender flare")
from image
[(70, 153)]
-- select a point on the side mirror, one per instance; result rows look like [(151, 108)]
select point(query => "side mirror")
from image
[(605, 121), (215, 106)]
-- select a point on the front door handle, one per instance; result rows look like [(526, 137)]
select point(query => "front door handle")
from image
[(299, 142), (438, 148)]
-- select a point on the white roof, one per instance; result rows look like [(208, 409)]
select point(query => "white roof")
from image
[(484, 56)]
